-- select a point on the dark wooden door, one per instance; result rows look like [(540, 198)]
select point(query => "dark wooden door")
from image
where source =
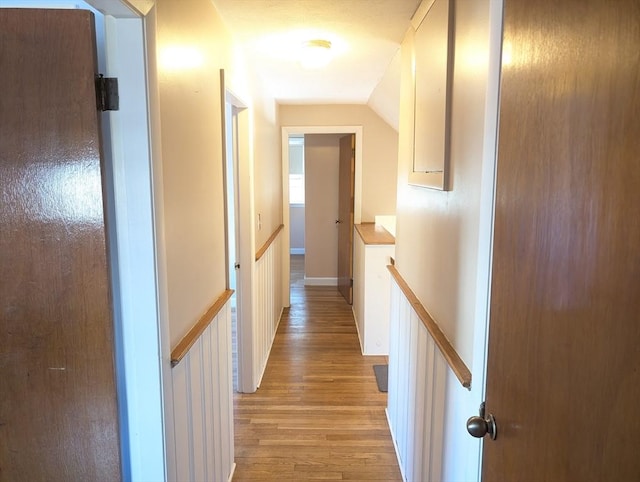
[(564, 347), (345, 216), (58, 411)]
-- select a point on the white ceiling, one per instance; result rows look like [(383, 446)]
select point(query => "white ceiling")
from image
[(365, 36)]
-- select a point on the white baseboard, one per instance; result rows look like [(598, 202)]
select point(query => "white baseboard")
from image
[(320, 281), (395, 444), (296, 251)]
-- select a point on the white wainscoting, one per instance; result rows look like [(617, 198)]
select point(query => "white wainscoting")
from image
[(267, 305), (371, 294), (203, 405), (417, 390)]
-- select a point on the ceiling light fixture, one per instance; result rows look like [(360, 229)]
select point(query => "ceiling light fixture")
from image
[(315, 54)]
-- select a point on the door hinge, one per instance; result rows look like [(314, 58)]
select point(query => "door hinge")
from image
[(107, 97), (351, 283)]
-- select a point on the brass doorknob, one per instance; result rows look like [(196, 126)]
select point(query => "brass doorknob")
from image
[(479, 426)]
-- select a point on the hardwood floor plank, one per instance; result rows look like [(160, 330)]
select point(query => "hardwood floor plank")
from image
[(318, 414)]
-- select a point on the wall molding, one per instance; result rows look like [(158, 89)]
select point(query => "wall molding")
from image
[(202, 387), (267, 306), (450, 354), (320, 281), (183, 346), (265, 246)]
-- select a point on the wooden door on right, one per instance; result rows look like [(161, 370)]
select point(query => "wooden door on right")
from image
[(563, 376)]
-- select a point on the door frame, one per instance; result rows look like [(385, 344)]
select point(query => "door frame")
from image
[(133, 200), (244, 234), (487, 216), (133, 251), (357, 204)]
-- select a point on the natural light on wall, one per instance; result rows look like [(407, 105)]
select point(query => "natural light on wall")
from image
[(181, 57)]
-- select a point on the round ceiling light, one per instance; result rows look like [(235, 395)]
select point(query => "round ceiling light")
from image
[(315, 53)]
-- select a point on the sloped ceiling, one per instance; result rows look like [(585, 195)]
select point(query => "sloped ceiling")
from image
[(365, 37)]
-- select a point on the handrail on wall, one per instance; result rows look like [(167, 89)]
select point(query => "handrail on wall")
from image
[(266, 245), (183, 346), (450, 354)]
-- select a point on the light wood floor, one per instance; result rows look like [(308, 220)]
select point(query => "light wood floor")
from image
[(318, 413)]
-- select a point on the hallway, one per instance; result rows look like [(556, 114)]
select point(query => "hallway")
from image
[(318, 413)]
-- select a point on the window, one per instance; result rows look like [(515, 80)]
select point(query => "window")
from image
[(296, 170)]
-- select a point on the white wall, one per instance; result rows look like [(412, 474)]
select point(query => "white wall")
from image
[(192, 45), (371, 288), (203, 405), (443, 238), (189, 44), (267, 307), (385, 98), (267, 165)]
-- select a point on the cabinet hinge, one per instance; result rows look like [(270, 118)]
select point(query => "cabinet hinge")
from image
[(107, 97), (351, 283)]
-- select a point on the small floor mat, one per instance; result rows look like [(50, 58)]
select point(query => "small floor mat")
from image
[(382, 375)]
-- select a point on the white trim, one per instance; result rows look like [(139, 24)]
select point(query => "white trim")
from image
[(486, 215), (296, 251), (360, 335), (236, 136), (421, 12), (134, 231), (233, 471), (320, 281), (394, 439), (246, 241), (264, 367), (357, 202)]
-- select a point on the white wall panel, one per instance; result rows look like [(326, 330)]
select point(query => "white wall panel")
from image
[(371, 294), (203, 407), (417, 378), (267, 306)]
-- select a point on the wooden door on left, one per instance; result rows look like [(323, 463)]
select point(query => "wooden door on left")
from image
[(58, 407)]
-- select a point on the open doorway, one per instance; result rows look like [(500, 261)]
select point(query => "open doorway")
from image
[(231, 206), (297, 209), (296, 194), (239, 238), (232, 218), (320, 137)]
